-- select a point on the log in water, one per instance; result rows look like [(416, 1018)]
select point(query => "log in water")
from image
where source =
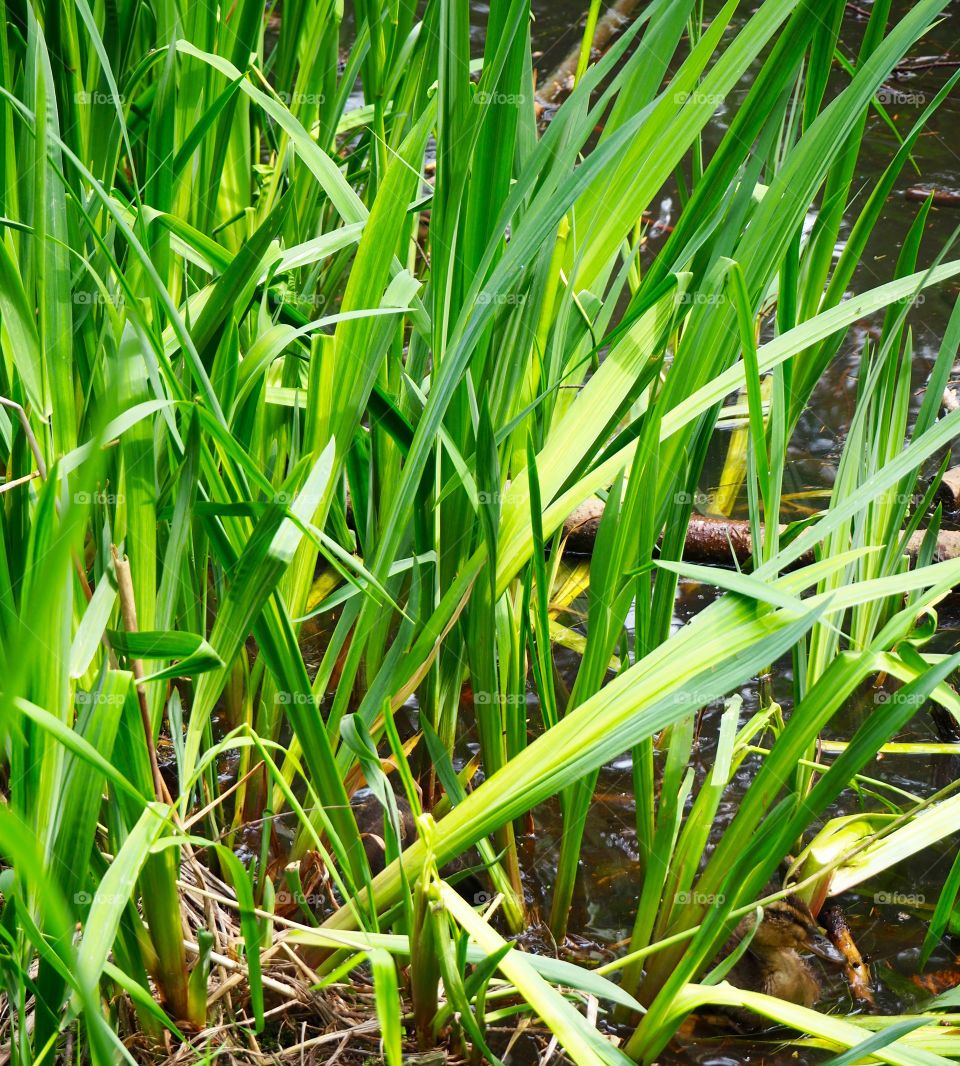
[(720, 540)]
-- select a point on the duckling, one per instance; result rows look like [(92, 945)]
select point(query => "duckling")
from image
[(771, 964), (368, 811), (462, 872)]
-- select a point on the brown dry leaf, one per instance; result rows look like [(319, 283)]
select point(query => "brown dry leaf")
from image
[(938, 981)]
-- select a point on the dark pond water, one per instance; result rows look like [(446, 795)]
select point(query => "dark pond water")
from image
[(888, 935)]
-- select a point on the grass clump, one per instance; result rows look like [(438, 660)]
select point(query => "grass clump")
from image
[(306, 356)]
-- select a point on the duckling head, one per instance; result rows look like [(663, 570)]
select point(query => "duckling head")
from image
[(788, 925)]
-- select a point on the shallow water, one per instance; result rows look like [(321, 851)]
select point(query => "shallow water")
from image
[(886, 915)]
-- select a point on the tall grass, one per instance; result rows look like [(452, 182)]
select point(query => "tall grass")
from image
[(295, 345)]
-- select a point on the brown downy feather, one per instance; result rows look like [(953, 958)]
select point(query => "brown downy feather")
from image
[(772, 963)]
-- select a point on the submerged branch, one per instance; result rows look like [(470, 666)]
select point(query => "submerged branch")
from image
[(559, 83), (720, 540)]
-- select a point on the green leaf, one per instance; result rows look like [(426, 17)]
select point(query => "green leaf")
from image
[(195, 654)]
